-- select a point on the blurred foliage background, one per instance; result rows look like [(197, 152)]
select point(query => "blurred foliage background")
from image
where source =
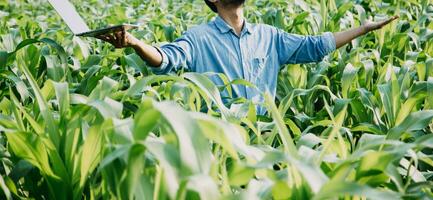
[(82, 120)]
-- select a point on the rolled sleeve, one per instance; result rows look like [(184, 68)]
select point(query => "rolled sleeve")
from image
[(161, 69), (296, 49), (176, 55), (328, 40)]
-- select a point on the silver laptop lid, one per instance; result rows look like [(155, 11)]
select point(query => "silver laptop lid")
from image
[(68, 13)]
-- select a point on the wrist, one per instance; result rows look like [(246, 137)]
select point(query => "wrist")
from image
[(133, 42), (365, 29)]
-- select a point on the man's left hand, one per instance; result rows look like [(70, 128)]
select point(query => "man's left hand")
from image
[(371, 26)]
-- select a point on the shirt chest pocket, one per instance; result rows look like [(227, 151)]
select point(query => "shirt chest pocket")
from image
[(258, 65)]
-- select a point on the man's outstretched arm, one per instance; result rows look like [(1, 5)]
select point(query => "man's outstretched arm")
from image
[(344, 37), (162, 60), (296, 49)]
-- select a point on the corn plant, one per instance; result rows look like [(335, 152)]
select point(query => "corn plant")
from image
[(80, 120)]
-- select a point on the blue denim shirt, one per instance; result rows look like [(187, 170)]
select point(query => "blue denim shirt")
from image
[(256, 55)]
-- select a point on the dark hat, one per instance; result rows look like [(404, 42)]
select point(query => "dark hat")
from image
[(211, 5)]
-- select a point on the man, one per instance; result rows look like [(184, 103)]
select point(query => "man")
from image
[(238, 49)]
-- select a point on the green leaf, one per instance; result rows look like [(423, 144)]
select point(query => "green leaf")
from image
[(349, 75), (81, 48), (240, 175), (92, 60), (139, 86), (91, 153), (340, 189), (408, 106), (368, 73), (118, 153), (194, 151), (169, 158), (145, 120), (137, 63), (300, 19), (338, 116), (293, 127), (5, 189), (281, 190), (108, 108), (224, 79), (368, 128), (386, 95), (30, 147), (341, 11), (104, 88), (42, 104), (415, 121), (286, 138), (3, 59), (223, 134), (54, 69), (279, 20), (205, 186), (209, 88), (242, 82), (135, 169), (62, 95), (373, 165)]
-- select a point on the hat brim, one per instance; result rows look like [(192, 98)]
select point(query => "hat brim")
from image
[(211, 6)]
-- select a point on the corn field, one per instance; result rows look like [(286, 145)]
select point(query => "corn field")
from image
[(82, 120)]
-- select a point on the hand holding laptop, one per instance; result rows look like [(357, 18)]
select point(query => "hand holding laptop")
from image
[(119, 39), (122, 39), (116, 35), (78, 26)]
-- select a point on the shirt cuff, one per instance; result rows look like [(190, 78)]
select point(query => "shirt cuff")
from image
[(328, 41), (160, 69)]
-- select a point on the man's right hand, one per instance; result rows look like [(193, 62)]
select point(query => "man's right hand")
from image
[(120, 39)]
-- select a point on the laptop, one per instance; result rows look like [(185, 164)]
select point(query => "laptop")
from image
[(77, 25)]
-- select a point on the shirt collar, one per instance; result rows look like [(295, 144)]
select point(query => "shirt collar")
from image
[(224, 27)]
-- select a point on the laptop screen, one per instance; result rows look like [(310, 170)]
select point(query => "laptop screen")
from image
[(68, 13)]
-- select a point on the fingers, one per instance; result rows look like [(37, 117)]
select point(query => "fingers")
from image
[(124, 39), (115, 39), (378, 25), (102, 37), (389, 20), (392, 19), (110, 38), (106, 37), (118, 39)]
